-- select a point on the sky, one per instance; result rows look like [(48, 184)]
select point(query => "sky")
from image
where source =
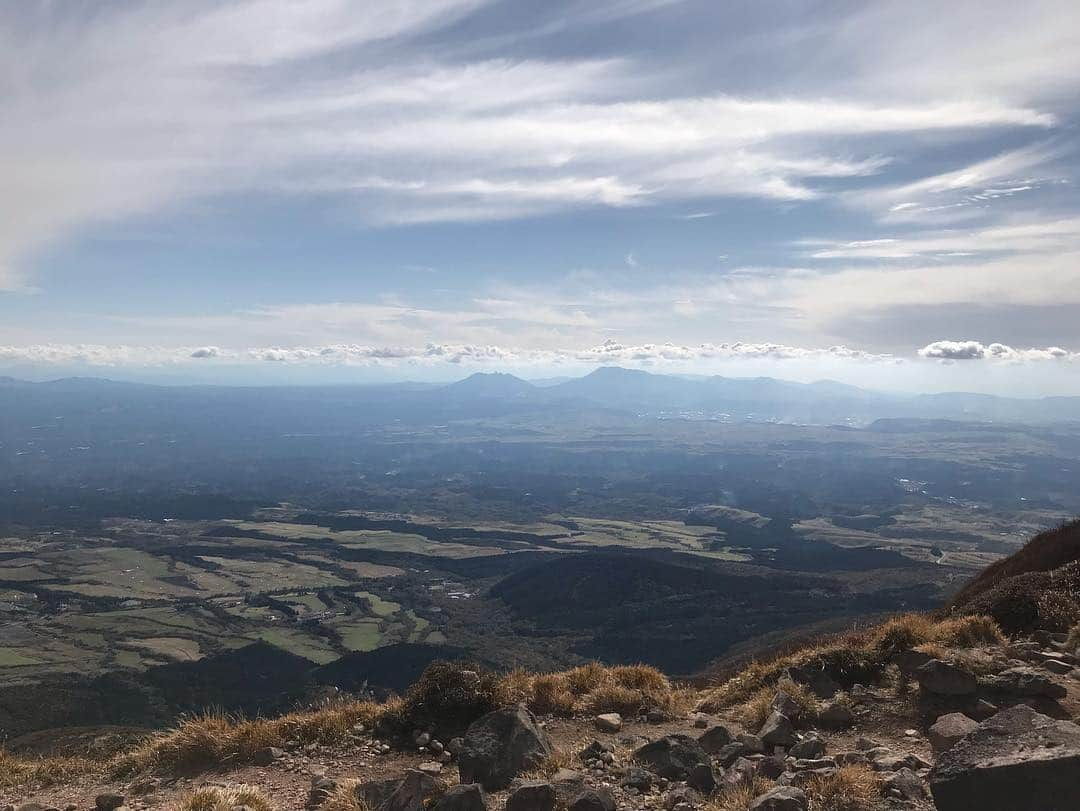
[(325, 191)]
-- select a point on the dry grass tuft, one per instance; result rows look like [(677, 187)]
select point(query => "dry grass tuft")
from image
[(215, 739), (41, 771), (849, 788), (594, 688), (614, 698), (757, 708), (343, 798), (558, 759), (738, 798), (226, 799), (860, 656)]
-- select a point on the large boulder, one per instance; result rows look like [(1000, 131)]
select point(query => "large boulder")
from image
[(948, 729), (1017, 759), (945, 679), (501, 745), (673, 757), (1027, 681)]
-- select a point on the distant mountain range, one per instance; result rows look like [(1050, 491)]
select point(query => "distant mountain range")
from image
[(628, 391)]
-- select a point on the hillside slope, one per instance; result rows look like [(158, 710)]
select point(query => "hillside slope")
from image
[(919, 712)]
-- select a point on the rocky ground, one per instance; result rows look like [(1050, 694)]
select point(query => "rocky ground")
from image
[(991, 729)]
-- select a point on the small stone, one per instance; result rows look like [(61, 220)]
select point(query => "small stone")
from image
[(593, 800), (812, 747), (906, 784), (455, 745), (948, 729), (836, 714), (532, 795), (423, 739), (701, 721), (430, 767), (435, 747), (108, 802), (715, 738), (608, 722)]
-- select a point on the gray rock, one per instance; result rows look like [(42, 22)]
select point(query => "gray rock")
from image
[(681, 797), (781, 798), (532, 795), (715, 738), (702, 779), (948, 729), (321, 788), (852, 759), (608, 722), (784, 704), (1027, 681), (1017, 758), (412, 793), (637, 777), (909, 661), (455, 745), (771, 766), (373, 794), (906, 785), (1058, 667), (821, 684), (673, 756), (777, 730), (811, 747), (501, 745), (463, 797), (945, 679), (732, 752), (593, 799), (701, 720), (741, 771), (812, 764), (109, 801), (836, 715), (751, 742)]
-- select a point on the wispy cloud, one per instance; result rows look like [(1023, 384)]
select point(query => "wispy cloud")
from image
[(132, 109)]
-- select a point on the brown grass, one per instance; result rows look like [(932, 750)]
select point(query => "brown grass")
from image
[(859, 656), (226, 799), (849, 788), (594, 688), (218, 740), (738, 798), (343, 798), (41, 771), (756, 708)]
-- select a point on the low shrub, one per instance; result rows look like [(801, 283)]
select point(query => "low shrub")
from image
[(849, 788), (226, 799)]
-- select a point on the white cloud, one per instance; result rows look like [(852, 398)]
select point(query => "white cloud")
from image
[(428, 354), (974, 350), (1031, 237)]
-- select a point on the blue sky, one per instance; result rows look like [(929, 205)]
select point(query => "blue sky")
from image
[(266, 191)]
